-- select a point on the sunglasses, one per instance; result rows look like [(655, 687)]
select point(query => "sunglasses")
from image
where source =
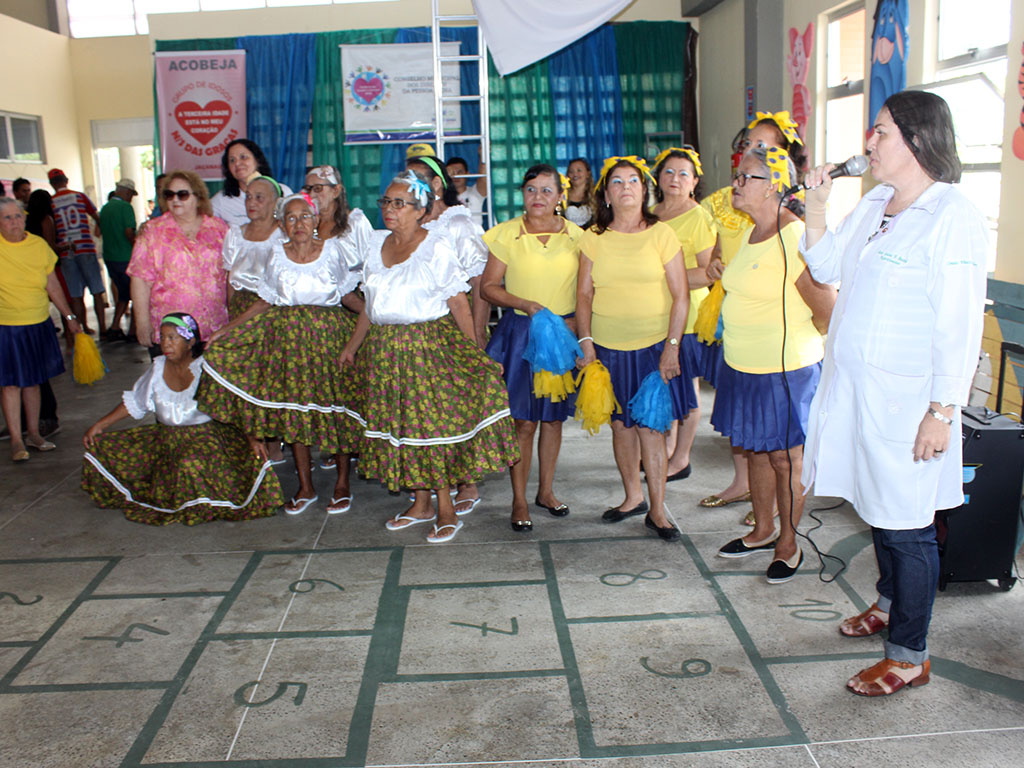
[(181, 194)]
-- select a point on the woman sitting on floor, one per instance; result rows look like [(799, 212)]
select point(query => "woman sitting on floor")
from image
[(186, 468)]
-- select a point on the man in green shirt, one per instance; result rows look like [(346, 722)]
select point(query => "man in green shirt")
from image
[(117, 223)]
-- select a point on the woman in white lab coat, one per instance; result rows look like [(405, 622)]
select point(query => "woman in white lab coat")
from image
[(902, 349)]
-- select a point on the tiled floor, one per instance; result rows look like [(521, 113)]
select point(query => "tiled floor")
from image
[(328, 641)]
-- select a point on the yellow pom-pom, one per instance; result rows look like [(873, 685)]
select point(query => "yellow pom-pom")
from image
[(88, 367), (708, 313), (553, 385), (596, 399)]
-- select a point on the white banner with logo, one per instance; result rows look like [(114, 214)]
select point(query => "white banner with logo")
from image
[(389, 91), (200, 108)]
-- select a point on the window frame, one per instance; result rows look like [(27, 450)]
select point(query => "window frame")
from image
[(6, 116), (850, 87)]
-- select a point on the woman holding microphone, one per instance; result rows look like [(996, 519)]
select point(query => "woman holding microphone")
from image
[(902, 350)]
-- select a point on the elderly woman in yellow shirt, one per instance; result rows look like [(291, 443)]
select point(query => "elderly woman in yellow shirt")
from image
[(771, 368), (632, 301), (677, 173), (537, 256), (29, 352)]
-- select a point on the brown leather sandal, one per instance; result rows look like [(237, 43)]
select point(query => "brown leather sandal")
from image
[(882, 681), (864, 624)]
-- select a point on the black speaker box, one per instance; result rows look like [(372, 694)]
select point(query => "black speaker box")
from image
[(978, 540)]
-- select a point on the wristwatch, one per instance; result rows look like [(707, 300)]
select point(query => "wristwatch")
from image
[(71, 317), (936, 415), (674, 342)]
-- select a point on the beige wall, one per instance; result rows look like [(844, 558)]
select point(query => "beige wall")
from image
[(46, 89), (720, 68)]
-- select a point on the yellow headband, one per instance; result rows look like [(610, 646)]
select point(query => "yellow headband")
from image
[(690, 154), (784, 123), (566, 184), (639, 162), (778, 167)]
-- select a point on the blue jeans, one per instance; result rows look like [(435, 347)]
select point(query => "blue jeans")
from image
[(908, 568)]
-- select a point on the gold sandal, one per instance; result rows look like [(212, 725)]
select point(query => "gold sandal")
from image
[(717, 501)]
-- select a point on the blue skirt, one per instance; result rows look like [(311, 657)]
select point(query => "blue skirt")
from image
[(628, 369), (712, 361), (754, 411), (506, 347), (29, 354), (691, 352)]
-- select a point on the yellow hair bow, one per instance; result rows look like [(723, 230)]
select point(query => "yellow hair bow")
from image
[(639, 162), (784, 122), (690, 154), (778, 167), (566, 184)]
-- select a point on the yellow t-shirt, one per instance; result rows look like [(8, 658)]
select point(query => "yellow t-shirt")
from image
[(24, 266), (730, 224), (631, 297), (536, 271), (695, 232), (752, 310)]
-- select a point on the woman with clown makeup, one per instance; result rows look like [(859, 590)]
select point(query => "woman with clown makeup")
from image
[(773, 315), (436, 412), (186, 468)]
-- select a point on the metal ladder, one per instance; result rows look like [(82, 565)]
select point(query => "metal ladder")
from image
[(481, 96)]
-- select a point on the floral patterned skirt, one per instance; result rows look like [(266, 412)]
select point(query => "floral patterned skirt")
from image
[(278, 376), (161, 475), (239, 302), (437, 413)]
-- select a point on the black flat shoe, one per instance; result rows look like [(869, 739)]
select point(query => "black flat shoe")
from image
[(682, 474), (522, 526), (560, 511), (668, 533), (780, 571), (616, 515)]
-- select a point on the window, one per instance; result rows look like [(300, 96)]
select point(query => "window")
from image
[(21, 138), (970, 75), (844, 102), (110, 18)]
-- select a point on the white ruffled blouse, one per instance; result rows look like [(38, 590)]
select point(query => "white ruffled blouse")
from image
[(152, 395), (245, 261), (468, 237), (321, 283), (356, 241), (418, 289)]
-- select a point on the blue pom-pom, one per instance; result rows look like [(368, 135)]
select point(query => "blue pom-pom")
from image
[(551, 346), (651, 406)]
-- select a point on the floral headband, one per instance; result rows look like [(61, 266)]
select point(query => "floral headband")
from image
[(419, 188), (691, 155), (610, 163), (778, 166), (784, 123), (326, 172), (186, 326)]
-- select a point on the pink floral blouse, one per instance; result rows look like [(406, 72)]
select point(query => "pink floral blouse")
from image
[(186, 275)]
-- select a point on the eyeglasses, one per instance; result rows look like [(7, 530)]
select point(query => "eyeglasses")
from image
[(301, 217), (181, 194), (396, 202), (316, 189), (741, 179)]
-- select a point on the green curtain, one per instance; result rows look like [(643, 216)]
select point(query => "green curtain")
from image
[(359, 165), (653, 61), (198, 44), (522, 126)]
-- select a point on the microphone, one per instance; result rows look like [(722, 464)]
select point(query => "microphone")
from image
[(855, 166)]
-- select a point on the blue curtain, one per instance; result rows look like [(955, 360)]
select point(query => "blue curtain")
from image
[(587, 100), (280, 73)]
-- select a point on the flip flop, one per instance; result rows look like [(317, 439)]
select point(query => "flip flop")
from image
[(448, 536), (328, 463), (390, 524), (433, 495), (472, 505), (339, 505), (298, 505)]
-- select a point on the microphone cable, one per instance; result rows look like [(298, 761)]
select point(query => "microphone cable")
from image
[(822, 556)]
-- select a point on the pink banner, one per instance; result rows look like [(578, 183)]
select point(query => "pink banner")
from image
[(201, 105)]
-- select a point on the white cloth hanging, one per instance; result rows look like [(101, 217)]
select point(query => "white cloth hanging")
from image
[(520, 32)]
